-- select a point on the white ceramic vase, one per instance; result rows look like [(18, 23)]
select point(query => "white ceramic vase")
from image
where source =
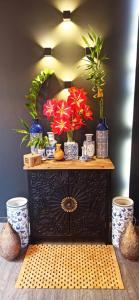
[(122, 213), (17, 216), (89, 146), (41, 152), (50, 149)]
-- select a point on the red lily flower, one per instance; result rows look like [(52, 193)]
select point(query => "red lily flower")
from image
[(60, 125), (77, 97), (87, 113), (72, 90), (76, 122), (49, 108), (62, 109)]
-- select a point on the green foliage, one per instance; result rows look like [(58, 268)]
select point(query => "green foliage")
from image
[(34, 91), (25, 132), (38, 142), (31, 104), (95, 65)]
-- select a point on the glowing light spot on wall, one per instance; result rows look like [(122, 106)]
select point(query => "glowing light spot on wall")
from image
[(130, 67), (51, 63), (45, 39), (62, 94), (125, 170), (66, 26), (68, 31), (129, 100), (46, 62), (66, 4), (62, 72), (67, 74)]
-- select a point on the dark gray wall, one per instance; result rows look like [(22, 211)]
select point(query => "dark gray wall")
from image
[(22, 24)]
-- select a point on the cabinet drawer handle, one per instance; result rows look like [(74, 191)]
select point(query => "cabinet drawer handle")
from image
[(69, 204)]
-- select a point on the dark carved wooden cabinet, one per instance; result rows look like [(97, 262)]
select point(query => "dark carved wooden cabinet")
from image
[(69, 202)]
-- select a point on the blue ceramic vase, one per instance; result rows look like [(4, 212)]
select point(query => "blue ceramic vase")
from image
[(35, 130)]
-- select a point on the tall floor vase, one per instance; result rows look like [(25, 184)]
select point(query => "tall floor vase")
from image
[(122, 213), (17, 215)]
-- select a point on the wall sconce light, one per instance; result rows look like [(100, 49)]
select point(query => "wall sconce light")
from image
[(47, 52), (66, 15), (87, 51), (67, 84)]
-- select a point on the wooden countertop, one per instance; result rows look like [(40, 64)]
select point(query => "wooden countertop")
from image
[(74, 165)]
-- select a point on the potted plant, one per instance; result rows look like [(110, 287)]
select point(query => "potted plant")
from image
[(39, 144), (97, 75), (30, 130), (95, 67)]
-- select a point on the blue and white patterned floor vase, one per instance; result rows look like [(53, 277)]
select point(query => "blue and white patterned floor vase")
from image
[(122, 213), (17, 216), (70, 151)]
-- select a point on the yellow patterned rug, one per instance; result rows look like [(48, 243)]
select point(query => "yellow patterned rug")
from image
[(76, 266)]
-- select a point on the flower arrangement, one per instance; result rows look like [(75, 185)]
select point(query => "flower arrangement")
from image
[(68, 115)]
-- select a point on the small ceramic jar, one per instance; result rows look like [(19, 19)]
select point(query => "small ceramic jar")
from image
[(58, 154)]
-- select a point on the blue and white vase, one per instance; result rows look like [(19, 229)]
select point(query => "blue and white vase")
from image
[(17, 216), (42, 152), (89, 146), (70, 151), (122, 213), (35, 131), (50, 149), (102, 139)]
